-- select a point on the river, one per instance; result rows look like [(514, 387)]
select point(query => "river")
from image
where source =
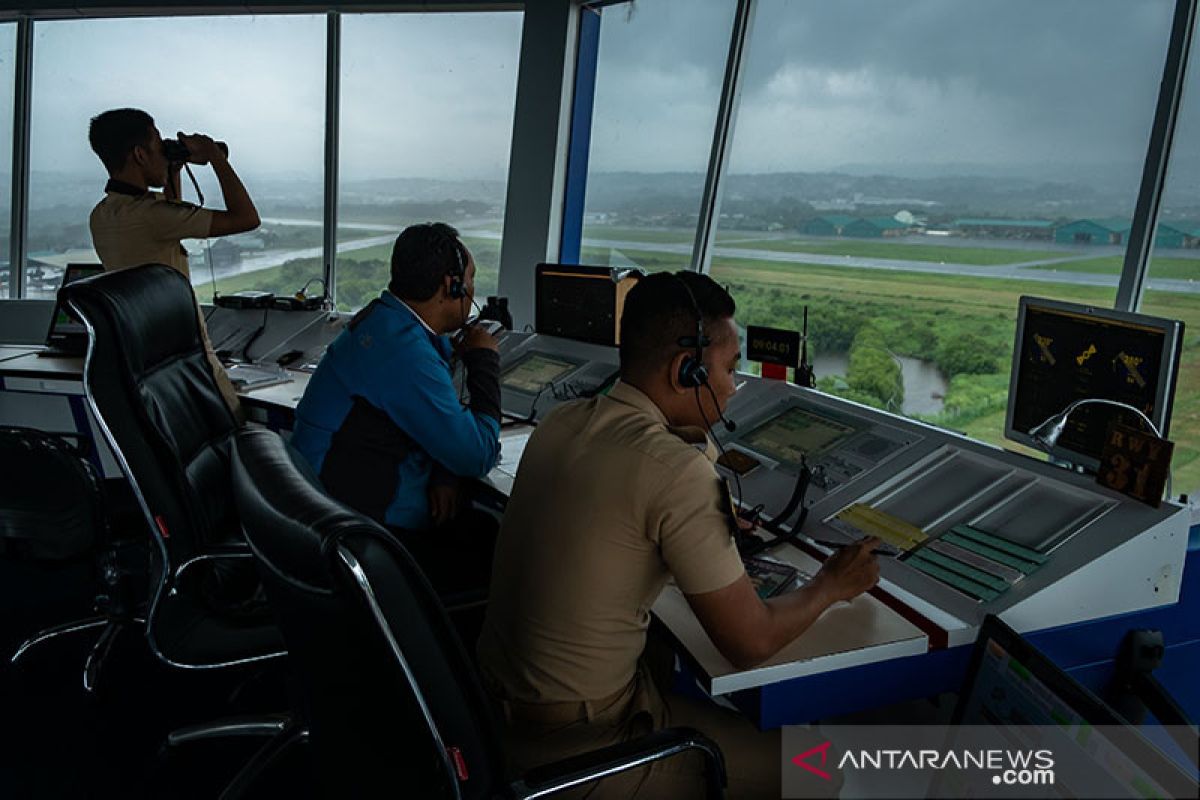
[(924, 385)]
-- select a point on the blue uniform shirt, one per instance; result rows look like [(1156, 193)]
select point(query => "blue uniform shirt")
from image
[(394, 363)]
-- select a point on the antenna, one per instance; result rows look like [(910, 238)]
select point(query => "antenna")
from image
[(804, 372)]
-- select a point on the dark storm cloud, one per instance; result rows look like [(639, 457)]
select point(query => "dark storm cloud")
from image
[(1065, 62), (1003, 82)]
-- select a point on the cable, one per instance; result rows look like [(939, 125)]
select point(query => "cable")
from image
[(729, 424), (314, 321), (310, 281), (748, 546), (708, 428), (199, 194), (262, 326)]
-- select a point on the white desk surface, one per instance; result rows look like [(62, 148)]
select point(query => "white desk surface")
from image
[(284, 395), (29, 361), (11, 351), (846, 635)]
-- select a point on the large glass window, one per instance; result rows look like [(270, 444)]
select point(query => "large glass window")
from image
[(907, 171), (426, 130), (8, 47), (1173, 281), (257, 83), (658, 85)]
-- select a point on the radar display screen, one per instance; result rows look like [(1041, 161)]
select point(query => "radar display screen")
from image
[(796, 432), (535, 372), (1064, 355)]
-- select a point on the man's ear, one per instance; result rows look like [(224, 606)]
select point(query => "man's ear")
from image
[(675, 365)]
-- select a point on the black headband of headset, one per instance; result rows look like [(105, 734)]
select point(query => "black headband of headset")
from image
[(699, 341)]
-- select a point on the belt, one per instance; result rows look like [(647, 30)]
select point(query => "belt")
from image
[(561, 713)]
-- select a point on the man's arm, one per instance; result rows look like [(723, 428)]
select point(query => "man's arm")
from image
[(239, 215), (466, 441), (748, 631)]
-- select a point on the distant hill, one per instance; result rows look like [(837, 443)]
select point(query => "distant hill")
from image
[(679, 192)]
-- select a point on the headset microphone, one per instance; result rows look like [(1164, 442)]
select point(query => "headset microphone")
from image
[(729, 424)]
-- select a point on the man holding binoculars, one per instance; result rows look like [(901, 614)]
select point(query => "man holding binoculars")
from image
[(133, 226)]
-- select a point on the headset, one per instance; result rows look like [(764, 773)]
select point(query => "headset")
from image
[(692, 372), (458, 273)]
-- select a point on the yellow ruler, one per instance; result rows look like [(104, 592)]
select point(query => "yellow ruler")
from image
[(873, 522)]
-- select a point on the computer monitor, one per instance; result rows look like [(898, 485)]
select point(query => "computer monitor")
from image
[(796, 432), (66, 334), (1066, 352), (1013, 693), (580, 302), (534, 372)]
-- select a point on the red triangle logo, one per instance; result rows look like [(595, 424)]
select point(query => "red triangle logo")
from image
[(802, 760)]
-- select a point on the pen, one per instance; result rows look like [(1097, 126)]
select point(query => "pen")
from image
[(839, 545)]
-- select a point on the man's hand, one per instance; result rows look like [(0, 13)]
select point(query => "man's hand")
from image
[(443, 502), (475, 337), (850, 571), (201, 149)]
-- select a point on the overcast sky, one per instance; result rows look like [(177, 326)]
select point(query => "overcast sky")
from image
[(423, 95), (828, 84)]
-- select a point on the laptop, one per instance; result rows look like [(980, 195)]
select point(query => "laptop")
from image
[(67, 336)]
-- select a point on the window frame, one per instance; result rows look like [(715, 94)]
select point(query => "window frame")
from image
[(26, 21)]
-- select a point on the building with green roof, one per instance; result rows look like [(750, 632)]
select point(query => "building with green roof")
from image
[(1005, 228), (827, 225), (875, 227)]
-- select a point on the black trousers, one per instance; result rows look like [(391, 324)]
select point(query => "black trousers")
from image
[(456, 557)]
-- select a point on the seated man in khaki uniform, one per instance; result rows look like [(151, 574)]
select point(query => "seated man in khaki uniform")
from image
[(615, 496), (133, 226)]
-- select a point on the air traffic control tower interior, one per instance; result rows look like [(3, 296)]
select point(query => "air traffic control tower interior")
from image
[(993, 277)]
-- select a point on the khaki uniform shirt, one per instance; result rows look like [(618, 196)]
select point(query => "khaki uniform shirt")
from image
[(129, 230), (608, 504)]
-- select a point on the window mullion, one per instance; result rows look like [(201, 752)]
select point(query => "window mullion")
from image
[(1158, 154), (710, 201), (333, 66), (20, 157)]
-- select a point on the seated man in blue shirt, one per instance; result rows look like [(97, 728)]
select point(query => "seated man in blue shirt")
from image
[(382, 423)]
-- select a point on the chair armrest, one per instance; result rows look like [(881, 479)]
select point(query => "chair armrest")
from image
[(587, 767), (226, 552)]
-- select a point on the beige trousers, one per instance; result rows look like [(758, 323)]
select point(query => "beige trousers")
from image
[(753, 758)]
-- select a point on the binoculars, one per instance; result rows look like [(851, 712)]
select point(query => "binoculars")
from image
[(177, 152)]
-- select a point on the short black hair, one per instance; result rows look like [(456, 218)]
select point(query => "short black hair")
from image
[(115, 133), (658, 313), (422, 256)]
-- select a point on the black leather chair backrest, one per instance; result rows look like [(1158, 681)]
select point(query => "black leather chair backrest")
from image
[(149, 377), (367, 724)]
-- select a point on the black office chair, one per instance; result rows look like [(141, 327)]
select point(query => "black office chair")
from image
[(148, 380), (390, 697), (52, 512)]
